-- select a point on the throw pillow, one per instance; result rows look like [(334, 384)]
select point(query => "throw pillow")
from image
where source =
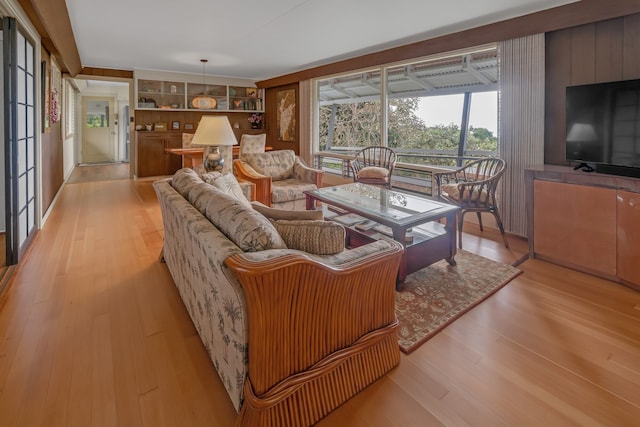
[(228, 184), (200, 195), (248, 229), (373, 172), (314, 237), (273, 213), (184, 180)]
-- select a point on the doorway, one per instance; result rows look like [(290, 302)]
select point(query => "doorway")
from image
[(98, 130)]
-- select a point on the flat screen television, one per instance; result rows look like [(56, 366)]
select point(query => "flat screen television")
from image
[(603, 127)]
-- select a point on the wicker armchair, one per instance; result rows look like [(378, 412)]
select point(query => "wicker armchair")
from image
[(374, 165), (473, 188)]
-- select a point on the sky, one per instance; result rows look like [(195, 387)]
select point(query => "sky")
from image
[(447, 109)]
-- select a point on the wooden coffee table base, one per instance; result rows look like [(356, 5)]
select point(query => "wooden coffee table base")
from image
[(419, 254)]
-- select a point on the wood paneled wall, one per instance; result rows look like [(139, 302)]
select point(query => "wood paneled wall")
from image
[(52, 156), (143, 117), (271, 118), (592, 53)]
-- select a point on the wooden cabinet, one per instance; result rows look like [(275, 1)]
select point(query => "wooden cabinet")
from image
[(152, 159), (628, 236), (586, 221), (576, 225)]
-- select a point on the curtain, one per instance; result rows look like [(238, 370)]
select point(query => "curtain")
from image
[(521, 129)]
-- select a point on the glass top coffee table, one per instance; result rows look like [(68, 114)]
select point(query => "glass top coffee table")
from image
[(426, 227)]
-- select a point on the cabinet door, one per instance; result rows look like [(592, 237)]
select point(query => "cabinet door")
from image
[(575, 225), (629, 236), (152, 159)]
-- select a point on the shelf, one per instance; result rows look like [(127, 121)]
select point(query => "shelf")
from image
[(180, 96)]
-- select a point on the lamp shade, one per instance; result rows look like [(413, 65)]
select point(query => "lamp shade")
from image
[(214, 130), (582, 132)]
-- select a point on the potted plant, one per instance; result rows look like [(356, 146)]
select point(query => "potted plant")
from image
[(256, 120)]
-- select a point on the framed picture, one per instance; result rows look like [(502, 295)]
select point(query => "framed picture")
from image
[(188, 126), (160, 126), (175, 125), (286, 115)]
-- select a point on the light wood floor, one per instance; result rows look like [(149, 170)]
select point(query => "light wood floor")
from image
[(93, 333)]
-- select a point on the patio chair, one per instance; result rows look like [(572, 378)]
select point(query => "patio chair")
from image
[(374, 165), (473, 188)]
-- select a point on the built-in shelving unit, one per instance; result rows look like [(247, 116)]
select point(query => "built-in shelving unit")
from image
[(182, 92)]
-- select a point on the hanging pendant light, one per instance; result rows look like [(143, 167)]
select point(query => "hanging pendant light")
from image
[(204, 101)]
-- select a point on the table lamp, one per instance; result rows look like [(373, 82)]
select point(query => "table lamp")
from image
[(212, 132)]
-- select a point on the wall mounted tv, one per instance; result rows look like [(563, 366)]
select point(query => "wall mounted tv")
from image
[(603, 127)]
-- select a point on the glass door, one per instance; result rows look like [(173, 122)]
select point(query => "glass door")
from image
[(20, 139)]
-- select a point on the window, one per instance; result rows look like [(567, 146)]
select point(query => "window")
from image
[(97, 114), (438, 110), (349, 112)]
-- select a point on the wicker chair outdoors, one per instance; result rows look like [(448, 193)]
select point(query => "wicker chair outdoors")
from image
[(473, 188), (374, 165)]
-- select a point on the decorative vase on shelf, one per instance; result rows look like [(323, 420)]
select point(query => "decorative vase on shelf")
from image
[(255, 125)]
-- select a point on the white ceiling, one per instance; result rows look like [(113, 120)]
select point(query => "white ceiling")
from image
[(263, 39)]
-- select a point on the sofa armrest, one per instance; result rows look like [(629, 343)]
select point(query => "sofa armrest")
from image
[(304, 173), (312, 324), (244, 171)]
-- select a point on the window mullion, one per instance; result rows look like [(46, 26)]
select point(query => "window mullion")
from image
[(384, 105), (464, 127)]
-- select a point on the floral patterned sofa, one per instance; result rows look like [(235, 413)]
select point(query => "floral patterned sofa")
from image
[(292, 333), (281, 177)]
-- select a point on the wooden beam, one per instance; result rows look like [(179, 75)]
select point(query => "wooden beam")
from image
[(106, 72), (51, 20)]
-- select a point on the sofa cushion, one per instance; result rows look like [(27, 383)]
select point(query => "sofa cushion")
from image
[(290, 189), (248, 229), (228, 184), (183, 181), (276, 164), (373, 172), (315, 237), (273, 213)]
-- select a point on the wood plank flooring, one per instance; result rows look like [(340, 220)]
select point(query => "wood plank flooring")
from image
[(93, 333)]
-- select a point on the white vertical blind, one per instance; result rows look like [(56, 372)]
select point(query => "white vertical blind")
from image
[(521, 116), (305, 103)]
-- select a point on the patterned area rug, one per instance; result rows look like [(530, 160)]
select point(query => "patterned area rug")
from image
[(437, 295)]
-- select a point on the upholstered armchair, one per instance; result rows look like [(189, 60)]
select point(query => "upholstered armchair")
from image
[(280, 177), (473, 188), (374, 165), (252, 144)]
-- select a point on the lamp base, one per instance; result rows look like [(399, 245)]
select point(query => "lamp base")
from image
[(212, 159)]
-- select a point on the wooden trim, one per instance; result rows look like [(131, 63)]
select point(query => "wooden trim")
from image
[(106, 72), (574, 14), (51, 20)]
